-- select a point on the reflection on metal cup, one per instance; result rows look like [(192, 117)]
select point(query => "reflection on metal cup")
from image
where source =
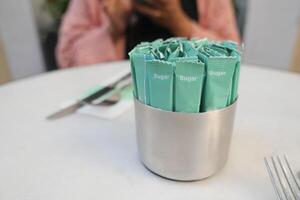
[(183, 146)]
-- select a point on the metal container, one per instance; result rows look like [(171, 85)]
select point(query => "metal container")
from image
[(183, 146)]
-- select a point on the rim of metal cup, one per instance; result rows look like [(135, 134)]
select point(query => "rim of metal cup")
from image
[(184, 113)]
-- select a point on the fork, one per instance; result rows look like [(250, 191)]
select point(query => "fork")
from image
[(283, 178)]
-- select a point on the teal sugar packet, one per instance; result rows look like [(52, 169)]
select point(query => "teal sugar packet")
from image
[(220, 49), (199, 44), (157, 42), (210, 52), (237, 54), (213, 50), (188, 86), (160, 78), (179, 55), (137, 59), (184, 52), (138, 63), (133, 77), (233, 46), (162, 52), (218, 84), (234, 52), (202, 57), (236, 77), (189, 49), (172, 49)]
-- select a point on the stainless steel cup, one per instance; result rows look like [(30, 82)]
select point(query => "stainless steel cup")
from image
[(183, 146)]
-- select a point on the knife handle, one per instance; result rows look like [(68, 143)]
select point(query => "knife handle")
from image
[(90, 92), (96, 93)]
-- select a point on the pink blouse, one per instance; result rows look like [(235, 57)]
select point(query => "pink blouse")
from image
[(84, 37)]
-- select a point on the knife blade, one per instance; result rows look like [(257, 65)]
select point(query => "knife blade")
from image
[(67, 110)]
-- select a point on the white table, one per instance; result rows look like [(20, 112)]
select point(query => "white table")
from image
[(81, 157)]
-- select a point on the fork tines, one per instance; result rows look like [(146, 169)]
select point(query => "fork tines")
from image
[(283, 178)]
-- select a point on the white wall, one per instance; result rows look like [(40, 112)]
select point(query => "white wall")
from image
[(20, 38), (271, 32)]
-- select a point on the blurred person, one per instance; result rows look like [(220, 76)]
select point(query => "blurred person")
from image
[(95, 31)]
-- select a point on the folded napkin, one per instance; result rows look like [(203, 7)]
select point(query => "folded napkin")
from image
[(110, 112), (184, 75)]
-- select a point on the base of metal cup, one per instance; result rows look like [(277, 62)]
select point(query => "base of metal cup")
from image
[(183, 146)]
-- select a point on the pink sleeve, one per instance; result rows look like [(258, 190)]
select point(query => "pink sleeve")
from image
[(84, 37), (217, 21)]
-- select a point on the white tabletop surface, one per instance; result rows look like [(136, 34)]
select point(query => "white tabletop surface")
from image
[(80, 157)]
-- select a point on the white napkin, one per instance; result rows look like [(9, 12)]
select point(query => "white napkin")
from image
[(107, 112)]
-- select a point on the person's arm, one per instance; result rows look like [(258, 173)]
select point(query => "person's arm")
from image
[(84, 36), (217, 21)]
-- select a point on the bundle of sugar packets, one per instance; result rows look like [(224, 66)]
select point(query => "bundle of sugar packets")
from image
[(184, 75)]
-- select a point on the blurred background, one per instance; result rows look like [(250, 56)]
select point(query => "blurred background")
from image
[(270, 32)]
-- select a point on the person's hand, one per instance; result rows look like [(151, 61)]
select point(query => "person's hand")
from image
[(168, 14), (118, 12)]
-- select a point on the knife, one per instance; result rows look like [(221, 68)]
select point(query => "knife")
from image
[(98, 93)]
